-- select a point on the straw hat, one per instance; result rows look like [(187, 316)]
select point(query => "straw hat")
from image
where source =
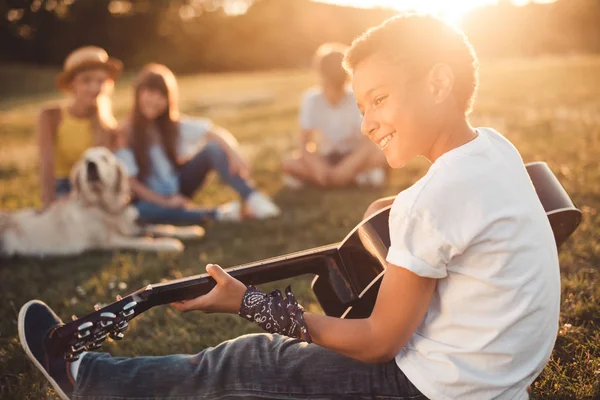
[(85, 58)]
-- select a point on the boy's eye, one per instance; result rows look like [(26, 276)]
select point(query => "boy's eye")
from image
[(378, 100), (360, 109)]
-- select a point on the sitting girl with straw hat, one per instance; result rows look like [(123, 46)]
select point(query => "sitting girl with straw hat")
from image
[(66, 130)]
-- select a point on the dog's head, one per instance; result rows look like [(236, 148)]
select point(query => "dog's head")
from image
[(99, 179)]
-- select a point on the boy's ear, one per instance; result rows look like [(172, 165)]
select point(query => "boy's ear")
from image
[(441, 81)]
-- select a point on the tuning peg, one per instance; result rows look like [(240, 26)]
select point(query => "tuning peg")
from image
[(68, 357), (128, 310), (100, 337), (73, 317), (119, 298), (85, 326), (116, 335), (94, 346), (122, 326), (106, 319), (97, 341), (97, 307), (83, 330), (77, 348)]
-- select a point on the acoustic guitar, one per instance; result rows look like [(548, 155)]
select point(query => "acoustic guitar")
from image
[(347, 274)]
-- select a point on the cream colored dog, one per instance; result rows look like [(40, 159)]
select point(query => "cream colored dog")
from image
[(96, 215)]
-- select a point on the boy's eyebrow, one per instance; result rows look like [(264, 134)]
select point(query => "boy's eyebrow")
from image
[(368, 92)]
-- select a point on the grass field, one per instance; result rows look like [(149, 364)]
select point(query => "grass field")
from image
[(549, 108)]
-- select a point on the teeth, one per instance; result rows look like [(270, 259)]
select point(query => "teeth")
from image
[(383, 142)]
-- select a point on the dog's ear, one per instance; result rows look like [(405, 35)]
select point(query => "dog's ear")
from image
[(121, 182), (74, 177), (121, 185)]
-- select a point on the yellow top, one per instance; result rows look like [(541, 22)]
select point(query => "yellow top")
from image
[(73, 137)]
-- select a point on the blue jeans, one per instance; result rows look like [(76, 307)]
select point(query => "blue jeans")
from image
[(62, 187), (260, 366), (191, 177)]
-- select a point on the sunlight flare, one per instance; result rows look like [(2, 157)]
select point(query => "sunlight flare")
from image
[(451, 11)]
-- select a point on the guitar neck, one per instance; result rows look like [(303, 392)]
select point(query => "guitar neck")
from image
[(313, 261)]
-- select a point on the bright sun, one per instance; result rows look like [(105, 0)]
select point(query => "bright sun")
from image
[(452, 11)]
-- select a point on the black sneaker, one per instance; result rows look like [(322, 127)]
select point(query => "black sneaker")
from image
[(36, 324)]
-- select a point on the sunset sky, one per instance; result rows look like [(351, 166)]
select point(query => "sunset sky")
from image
[(450, 9)]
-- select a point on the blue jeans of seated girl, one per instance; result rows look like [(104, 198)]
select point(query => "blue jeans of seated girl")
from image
[(191, 177), (259, 366), (62, 187)]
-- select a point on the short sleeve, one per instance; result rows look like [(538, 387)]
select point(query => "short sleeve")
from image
[(127, 158), (307, 112), (418, 245), (192, 132)]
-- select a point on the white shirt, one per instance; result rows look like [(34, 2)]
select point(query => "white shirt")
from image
[(475, 223), (338, 126)]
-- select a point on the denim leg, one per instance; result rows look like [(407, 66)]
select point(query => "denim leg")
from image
[(155, 214), (62, 187), (193, 173), (258, 366)]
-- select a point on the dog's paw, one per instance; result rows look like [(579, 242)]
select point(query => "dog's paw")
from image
[(169, 245), (131, 213), (189, 232), (180, 232)]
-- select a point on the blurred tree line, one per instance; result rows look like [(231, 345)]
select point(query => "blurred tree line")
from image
[(220, 35)]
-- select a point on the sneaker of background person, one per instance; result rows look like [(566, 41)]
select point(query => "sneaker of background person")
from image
[(257, 205), (260, 206), (231, 212), (374, 177)]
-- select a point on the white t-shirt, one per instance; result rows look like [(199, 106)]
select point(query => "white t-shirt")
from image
[(475, 223), (338, 126)]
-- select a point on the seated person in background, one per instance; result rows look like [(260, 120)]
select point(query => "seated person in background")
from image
[(86, 120), (168, 158), (344, 156)]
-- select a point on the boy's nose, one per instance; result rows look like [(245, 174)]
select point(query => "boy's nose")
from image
[(369, 125)]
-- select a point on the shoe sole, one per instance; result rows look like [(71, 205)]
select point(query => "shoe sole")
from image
[(39, 366)]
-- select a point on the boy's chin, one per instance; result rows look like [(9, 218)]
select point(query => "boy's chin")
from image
[(395, 161)]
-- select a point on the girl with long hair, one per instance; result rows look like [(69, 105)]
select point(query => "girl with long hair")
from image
[(169, 156)]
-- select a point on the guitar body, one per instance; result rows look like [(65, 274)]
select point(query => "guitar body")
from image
[(362, 254), (563, 215)]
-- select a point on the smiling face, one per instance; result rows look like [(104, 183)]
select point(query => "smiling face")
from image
[(414, 79), (152, 103), (89, 84), (402, 112)]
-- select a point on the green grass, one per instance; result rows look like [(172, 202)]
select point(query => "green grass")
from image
[(549, 108)]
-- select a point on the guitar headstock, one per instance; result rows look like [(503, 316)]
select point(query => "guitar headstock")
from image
[(89, 332)]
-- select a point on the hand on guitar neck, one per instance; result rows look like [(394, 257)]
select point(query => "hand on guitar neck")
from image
[(225, 297)]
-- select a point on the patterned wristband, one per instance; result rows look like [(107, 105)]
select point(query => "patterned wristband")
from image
[(274, 313)]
